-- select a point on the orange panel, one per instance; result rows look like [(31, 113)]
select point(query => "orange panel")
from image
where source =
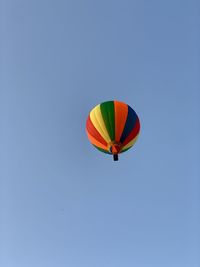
[(95, 142), (121, 112)]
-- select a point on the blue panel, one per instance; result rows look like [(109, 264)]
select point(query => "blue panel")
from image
[(129, 125)]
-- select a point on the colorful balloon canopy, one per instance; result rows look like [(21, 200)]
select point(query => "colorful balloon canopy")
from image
[(113, 127)]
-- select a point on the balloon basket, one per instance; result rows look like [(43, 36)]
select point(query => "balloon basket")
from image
[(115, 157)]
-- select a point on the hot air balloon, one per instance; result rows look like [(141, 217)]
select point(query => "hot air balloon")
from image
[(112, 127)]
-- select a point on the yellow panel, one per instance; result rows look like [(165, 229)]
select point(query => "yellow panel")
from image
[(131, 143), (98, 122)]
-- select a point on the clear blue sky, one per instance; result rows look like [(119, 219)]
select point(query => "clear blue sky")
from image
[(63, 203)]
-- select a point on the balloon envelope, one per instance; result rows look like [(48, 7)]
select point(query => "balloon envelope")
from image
[(112, 127)]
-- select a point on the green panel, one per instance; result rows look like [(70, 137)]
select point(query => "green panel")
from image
[(102, 150), (108, 114), (125, 149)]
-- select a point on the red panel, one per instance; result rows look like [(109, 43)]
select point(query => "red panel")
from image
[(93, 132)]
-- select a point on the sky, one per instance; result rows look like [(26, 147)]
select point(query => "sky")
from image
[(62, 202)]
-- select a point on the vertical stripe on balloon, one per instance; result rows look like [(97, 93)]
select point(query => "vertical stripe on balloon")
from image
[(93, 132), (121, 112), (134, 132), (130, 144), (107, 111), (129, 125), (98, 122), (95, 142)]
